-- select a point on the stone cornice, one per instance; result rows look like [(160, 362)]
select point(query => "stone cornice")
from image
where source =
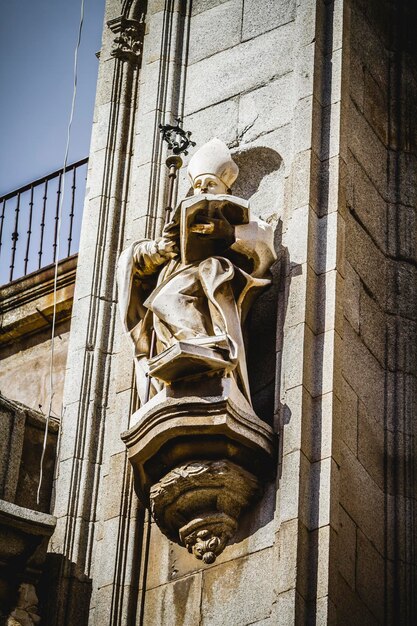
[(27, 303)]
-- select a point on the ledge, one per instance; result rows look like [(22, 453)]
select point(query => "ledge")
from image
[(27, 303)]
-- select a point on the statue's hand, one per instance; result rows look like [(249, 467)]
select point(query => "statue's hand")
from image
[(167, 248), (149, 255), (214, 228)]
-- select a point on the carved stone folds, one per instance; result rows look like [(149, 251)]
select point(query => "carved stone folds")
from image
[(199, 461)]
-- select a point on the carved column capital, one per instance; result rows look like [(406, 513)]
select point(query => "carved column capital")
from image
[(127, 44)]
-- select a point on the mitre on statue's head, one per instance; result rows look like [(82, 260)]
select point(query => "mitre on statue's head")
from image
[(213, 158)]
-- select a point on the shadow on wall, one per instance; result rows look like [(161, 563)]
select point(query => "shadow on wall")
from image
[(260, 175)]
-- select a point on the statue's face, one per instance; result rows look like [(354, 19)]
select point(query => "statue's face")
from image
[(208, 183)]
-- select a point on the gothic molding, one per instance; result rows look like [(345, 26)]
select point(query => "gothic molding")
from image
[(127, 45)]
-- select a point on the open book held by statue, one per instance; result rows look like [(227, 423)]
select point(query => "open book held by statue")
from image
[(194, 285)]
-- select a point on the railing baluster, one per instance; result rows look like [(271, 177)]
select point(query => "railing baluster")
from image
[(29, 232), (2, 222), (45, 198), (71, 215), (15, 236), (44, 258), (58, 197)]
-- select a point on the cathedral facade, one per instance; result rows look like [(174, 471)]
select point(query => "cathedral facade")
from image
[(305, 442)]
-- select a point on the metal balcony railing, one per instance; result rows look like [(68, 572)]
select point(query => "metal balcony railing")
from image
[(29, 219)]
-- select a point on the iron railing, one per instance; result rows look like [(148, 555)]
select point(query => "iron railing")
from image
[(29, 221)]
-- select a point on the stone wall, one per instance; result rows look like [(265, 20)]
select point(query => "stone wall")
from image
[(377, 491), (25, 335), (307, 95)]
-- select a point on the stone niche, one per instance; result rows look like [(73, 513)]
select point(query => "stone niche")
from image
[(199, 452)]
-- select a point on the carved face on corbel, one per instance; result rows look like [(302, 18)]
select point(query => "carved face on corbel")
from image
[(209, 183)]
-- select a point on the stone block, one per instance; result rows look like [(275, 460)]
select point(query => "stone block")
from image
[(370, 579), (349, 417), (325, 301), (408, 167), (152, 48), (290, 534), (299, 307), (297, 348), (250, 578), (318, 505), (375, 107), (351, 609), (219, 120), (216, 79), (174, 604), (259, 16), (167, 561), (204, 5), (214, 30), (320, 424), (99, 136), (289, 486), (372, 326), (296, 402), (357, 79), (113, 486), (266, 108), (290, 608), (351, 296), (323, 547), (362, 499), (369, 47), (295, 237), (325, 369), (402, 224), (366, 259), (368, 205), (367, 148), (326, 242), (347, 548), (304, 112), (302, 175), (403, 299), (363, 373), (306, 75)]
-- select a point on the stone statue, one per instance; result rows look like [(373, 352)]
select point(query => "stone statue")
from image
[(26, 611), (199, 452), (184, 296)]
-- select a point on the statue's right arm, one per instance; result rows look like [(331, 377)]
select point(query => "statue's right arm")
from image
[(149, 255)]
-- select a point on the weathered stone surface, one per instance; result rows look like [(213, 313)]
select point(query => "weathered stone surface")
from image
[(259, 17), (183, 597), (349, 417), (214, 30), (224, 587), (369, 388), (369, 584), (347, 548), (255, 56), (361, 497), (266, 108)]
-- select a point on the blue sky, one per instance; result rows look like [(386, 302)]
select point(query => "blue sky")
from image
[(37, 42)]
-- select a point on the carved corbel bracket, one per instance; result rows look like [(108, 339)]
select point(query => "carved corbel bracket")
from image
[(199, 462), (127, 44)]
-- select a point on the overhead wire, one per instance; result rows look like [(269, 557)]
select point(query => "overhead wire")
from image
[(53, 324)]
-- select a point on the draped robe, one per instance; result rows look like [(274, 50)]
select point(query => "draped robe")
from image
[(190, 301)]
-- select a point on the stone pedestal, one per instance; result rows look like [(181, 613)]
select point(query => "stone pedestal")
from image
[(199, 460)]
